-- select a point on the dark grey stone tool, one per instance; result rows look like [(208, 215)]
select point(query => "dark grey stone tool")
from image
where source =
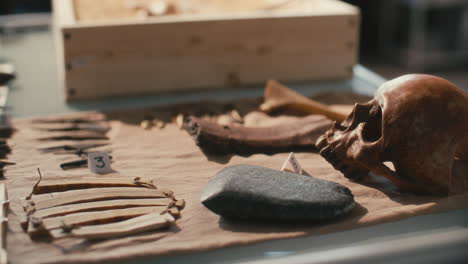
[(253, 192)]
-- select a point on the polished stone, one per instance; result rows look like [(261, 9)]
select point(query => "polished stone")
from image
[(253, 192)]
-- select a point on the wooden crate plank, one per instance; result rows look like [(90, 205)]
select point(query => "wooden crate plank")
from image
[(174, 54)]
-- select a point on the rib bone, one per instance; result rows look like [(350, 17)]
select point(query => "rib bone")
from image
[(73, 184), (96, 206), (135, 225), (48, 200), (38, 226)]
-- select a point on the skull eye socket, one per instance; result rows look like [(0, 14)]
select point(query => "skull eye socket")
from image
[(372, 130)]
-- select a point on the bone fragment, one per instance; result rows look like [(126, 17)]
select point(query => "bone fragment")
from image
[(100, 127), (37, 226), (90, 118), (279, 96), (132, 226), (180, 121), (42, 201), (85, 183), (101, 205), (3, 223), (293, 136), (75, 135), (146, 124)]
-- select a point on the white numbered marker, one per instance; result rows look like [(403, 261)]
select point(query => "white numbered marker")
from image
[(293, 162), (99, 162)]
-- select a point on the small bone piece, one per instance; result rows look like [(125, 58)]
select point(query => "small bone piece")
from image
[(132, 226), (180, 121), (146, 124), (419, 123), (85, 183), (42, 201), (297, 135), (3, 223), (278, 95)]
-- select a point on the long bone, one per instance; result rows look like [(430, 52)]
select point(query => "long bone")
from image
[(84, 183), (38, 226), (148, 222), (279, 96), (43, 201)]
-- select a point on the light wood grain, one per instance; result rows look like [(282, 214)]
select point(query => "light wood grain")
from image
[(179, 53), (135, 225)]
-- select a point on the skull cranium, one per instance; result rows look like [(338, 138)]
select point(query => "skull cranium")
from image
[(417, 122)]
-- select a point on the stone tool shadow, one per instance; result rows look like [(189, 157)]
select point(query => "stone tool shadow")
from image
[(392, 192), (264, 226)]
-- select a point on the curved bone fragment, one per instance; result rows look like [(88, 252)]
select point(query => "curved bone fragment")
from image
[(85, 183), (37, 226), (278, 96), (101, 205), (48, 200), (148, 222), (100, 127), (298, 135)]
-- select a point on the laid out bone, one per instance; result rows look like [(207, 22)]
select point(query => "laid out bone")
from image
[(419, 123)]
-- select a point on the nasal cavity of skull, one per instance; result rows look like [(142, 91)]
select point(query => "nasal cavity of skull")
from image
[(372, 130)]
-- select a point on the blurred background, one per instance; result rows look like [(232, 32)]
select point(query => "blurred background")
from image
[(397, 36)]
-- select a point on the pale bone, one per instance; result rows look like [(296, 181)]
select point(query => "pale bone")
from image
[(3, 223), (95, 206), (84, 183), (38, 225), (79, 118), (148, 222), (42, 201), (102, 127), (419, 123), (279, 96), (180, 121)]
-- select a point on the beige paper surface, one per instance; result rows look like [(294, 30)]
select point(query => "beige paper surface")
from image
[(171, 157)]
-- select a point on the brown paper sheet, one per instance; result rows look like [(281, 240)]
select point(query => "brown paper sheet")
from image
[(171, 157)]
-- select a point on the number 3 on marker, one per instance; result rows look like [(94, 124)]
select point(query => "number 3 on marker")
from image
[(99, 162)]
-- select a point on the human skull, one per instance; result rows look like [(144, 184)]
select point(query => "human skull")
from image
[(417, 122)]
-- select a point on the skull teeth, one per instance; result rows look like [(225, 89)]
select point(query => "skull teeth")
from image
[(348, 171)]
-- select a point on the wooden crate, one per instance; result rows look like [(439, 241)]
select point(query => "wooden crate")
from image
[(106, 58)]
